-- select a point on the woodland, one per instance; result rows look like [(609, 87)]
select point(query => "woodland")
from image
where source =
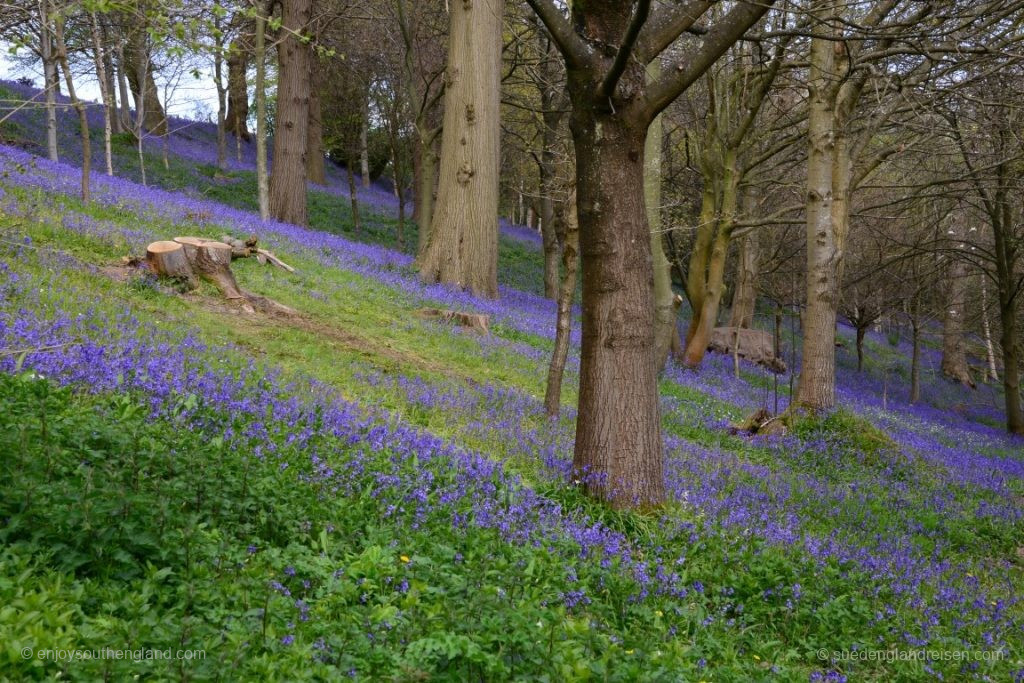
[(484, 340)]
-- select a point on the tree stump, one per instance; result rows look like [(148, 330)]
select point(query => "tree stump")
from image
[(188, 257), (168, 259), (212, 261), (478, 322)]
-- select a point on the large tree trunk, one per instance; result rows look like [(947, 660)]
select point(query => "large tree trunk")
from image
[(1005, 258), (238, 91), (463, 246), (563, 321), (744, 298), (954, 360), (706, 275), (816, 389), (315, 134), (618, 433), (139, 69), (288, 174)]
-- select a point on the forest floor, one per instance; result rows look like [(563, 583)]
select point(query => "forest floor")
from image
[(361, 492)]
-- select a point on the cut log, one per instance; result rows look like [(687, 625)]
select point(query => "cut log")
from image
[(168, 259), (478, 322)]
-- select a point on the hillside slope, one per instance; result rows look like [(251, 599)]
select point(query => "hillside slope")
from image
[(362, 492)]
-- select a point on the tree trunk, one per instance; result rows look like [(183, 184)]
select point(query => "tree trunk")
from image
[(993, 371), (238, 91), (915, 357), (364, 145), (218, 77), (111, 75), (563, 321), (105, 92), (262, 182), (426, 181), (954, 360), (124, 113), (816, 388), (664, 311), (83, 119), (353, 194), (463, 246), (706, 316), (50, 81), (861, 331), (315, 133), (618, 452), (1011, 369), (291, 132), (551, 117), (549, 240), (140, 77), (706, 277), (744, 298), (1005, 261)]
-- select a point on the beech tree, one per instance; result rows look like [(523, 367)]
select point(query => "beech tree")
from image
[(607, 46), (291, 129), (463, 245)]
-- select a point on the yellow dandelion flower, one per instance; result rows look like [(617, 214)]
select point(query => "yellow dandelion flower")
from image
[(404, 558)]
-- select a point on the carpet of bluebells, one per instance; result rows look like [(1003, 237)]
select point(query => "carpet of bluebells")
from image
[(167, 489)]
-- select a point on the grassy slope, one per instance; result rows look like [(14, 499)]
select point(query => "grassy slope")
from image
[(362, 338)]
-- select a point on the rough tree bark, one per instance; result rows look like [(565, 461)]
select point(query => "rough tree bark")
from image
[(139, 70), (238, 91), (816, 388), (315, 132), (463, 246), (618, 456), (288, 175)]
